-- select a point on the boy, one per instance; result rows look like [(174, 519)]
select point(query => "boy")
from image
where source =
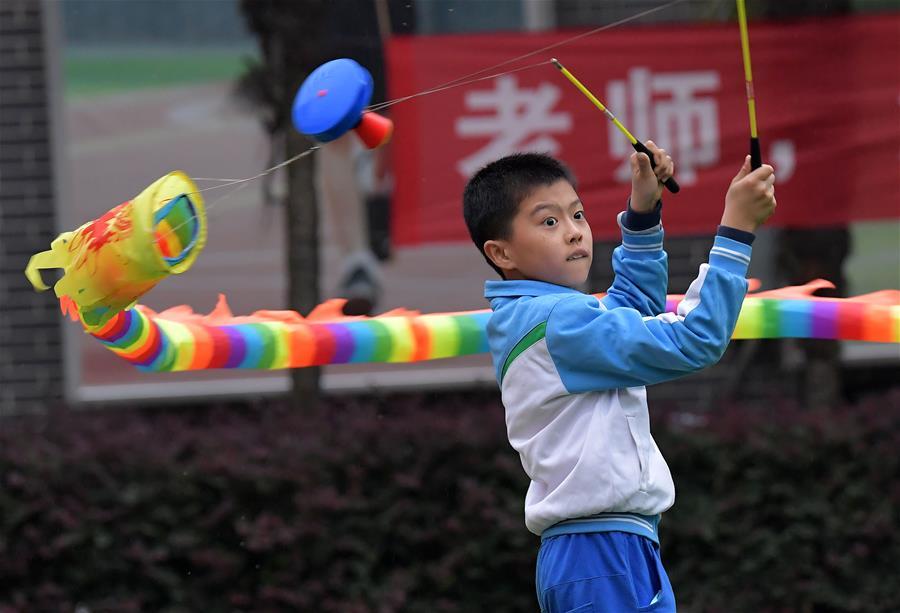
[(572, 368)]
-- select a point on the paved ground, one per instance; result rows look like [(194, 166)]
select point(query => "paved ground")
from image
[(119, 143)]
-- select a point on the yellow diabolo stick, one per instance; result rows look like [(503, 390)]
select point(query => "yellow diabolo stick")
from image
[(755, 153), (670, 183)]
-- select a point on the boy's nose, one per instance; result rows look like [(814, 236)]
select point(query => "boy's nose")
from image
[(575, 237)]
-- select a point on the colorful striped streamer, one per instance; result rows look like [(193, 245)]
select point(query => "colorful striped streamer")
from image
[(178, 339)]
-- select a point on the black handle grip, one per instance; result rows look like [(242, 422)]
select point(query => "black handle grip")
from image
[(670, 183), (755, 154)]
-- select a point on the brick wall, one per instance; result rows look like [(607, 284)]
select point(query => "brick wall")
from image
[(30, 332)]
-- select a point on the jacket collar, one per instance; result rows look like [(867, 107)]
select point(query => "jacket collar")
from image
[(515, 289)]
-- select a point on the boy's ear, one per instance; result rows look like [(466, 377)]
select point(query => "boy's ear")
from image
[(498, 252)]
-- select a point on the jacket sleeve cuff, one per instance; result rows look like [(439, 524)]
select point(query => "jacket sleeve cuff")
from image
[(635, 222), (738, 235), (647, 242), (730, 254)]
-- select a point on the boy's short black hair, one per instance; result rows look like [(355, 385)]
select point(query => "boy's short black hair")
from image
[(492, 196)]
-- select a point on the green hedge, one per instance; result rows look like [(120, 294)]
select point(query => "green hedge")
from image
[(415, 504)]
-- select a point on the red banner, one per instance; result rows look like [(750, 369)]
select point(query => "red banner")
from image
[(828, 106)]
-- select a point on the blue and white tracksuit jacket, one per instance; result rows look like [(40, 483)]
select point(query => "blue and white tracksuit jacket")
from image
[(572, 371)]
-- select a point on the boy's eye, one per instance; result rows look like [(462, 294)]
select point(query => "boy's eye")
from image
[(550, 221), (579, 215)]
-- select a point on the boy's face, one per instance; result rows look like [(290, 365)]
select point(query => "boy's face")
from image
[(551, 239)]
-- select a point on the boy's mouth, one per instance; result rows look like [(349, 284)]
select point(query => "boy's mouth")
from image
[(578, 255)]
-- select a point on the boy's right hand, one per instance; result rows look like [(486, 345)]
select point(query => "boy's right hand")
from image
[(750, 200)]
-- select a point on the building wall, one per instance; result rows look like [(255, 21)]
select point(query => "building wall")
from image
[(31, 375)]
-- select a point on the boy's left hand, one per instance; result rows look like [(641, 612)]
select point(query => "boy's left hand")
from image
[(647, 184)]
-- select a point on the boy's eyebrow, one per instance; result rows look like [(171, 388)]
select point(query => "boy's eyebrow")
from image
[(553, 206)]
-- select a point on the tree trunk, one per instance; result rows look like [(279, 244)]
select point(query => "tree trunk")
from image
[(293, 41), (302, 216)]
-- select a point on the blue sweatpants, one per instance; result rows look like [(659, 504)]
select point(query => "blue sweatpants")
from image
[(602, 572)]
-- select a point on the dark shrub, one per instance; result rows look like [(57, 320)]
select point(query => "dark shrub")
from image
[(415, 504)]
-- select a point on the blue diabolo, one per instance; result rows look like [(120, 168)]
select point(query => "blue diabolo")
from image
[(331, 100)]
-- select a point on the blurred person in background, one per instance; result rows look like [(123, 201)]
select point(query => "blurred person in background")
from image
[(355, 183), (351, 180)]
